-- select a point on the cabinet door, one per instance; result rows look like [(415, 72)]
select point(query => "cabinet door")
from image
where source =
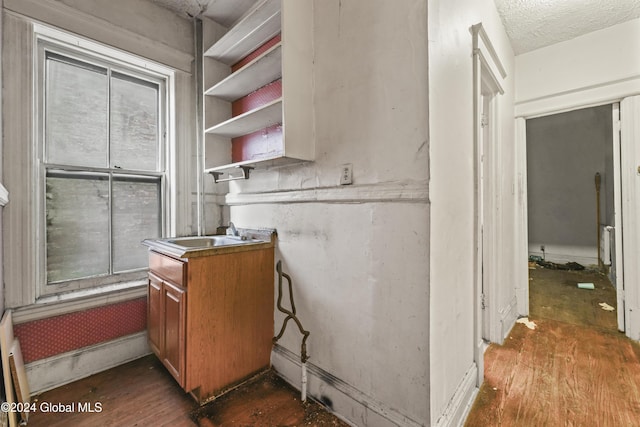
[(154, 315), (174, 330)]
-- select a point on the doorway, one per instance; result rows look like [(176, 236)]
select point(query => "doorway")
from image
[(573, 205)]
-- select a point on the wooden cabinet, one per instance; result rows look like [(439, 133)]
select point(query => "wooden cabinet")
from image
[(210, 318), (166, 324), (258, 87), (173, 300), (155, 322)]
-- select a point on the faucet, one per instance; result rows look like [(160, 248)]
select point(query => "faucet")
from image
[(232, 230)]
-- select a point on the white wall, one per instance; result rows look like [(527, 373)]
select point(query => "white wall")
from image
[(596, 68), (143, 18), (358, 254), (452, 195)]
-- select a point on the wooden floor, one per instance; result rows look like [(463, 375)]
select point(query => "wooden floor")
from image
[(575, 371), (142, 393), (554, 295)]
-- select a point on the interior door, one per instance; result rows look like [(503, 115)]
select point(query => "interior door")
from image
[(630, 191), (617, 258)]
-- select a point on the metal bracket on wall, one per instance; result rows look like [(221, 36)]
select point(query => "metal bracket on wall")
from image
[(245, 174)]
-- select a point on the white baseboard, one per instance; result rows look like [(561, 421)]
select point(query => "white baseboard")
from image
[(62, 369), (347, 402), (560, 254), (460, 404)]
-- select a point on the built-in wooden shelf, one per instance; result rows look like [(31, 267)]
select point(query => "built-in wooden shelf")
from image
[(275, 39), (251, 121), (255, 27), (259, 72)]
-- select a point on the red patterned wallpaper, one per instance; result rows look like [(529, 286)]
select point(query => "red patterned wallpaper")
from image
[(44, 338), (253, 55), (262, 144), (258, 98)]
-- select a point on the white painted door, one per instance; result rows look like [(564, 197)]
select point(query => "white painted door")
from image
[(521, 238), (630, 190), (617, 259), (487, 213), (482, 250)]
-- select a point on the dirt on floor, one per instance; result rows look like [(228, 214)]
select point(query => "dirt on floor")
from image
[(266, 400), (554, 294)]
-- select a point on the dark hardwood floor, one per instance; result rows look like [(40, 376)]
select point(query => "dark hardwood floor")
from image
[(574, 369), (139, 393), (142, 393)]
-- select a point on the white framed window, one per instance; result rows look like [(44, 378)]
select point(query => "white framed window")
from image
[(102, 162)]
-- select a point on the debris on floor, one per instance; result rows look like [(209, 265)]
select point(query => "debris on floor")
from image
[(554, 294), (265, 400), (526, 322), (606, 307), (586, 285), (571, 266)]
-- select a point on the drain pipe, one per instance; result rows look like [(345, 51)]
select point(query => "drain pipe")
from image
[(291, 314), (199, 90)]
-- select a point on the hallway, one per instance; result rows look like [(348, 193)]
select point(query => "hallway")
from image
[(573, 369)]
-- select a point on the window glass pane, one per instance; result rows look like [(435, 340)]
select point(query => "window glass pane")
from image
[(76, 113), (134, 123), (77, 209), (136, 216)]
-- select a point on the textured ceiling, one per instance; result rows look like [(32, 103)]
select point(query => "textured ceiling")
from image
[(530, 24), (225, 12), (184, 8)]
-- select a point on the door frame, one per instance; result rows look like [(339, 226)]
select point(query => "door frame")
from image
[(626, 197), (488, 78), (630, 183), (618, 231)]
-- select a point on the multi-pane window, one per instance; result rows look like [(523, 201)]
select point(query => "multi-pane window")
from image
[(103, 167)]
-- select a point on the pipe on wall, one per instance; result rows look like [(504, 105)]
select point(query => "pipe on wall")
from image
[(291, 315), (199, 88)]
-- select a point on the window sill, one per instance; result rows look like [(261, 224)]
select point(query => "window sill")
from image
[(55, 305)]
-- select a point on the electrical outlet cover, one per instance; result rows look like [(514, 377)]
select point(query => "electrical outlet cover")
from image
[(346, 174)]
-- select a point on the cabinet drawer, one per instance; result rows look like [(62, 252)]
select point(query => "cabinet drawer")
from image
[(168, 268)]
